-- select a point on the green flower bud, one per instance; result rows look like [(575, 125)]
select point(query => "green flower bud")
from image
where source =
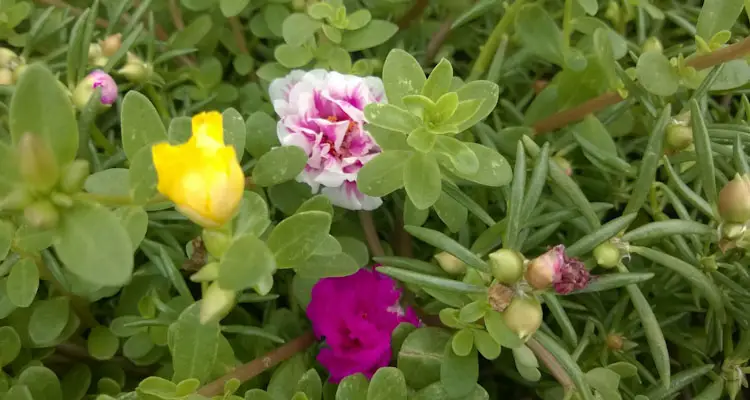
[(607, 255), (61, 200), (733, 231), (679, 136), (652, 44), (507, 266), (734, 200), (564, 164), (208, 273), (216, 303), (95, 51), (6, 77), (523, 316), (615, 341), (41, 214), (450, 264), (111, 44), (74, 176), (217, 241), (134, 72), (37, 163), (16, 200), (7, 57)]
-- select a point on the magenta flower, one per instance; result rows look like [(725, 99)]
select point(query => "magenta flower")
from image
[(554, 268), (355, 316), (323, 113)]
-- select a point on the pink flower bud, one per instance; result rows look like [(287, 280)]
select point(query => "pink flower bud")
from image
[(96, 79), (734, 200), (554, 268)]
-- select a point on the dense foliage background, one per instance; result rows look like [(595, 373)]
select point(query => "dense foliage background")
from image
[(616, 128)]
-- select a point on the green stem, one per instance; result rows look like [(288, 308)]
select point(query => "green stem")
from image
[(567, 25), (100, 140), (493, 42), (158, 103)]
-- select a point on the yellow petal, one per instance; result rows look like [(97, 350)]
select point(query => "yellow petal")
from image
[(208, 125), (168, 164)]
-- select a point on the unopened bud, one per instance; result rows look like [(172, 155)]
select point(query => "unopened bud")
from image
[(607, 255), (679, 136), (95, 51), (554, 268), (111, 44), (87, 86), (216, 303), (6, 77), (208, 273), (523, 316), (652, 44), (61, 200), (733, 231), (74, 176), (734, 200), (41, 214), (16, 200), (7, 57), (217, 241), (450, 264), (135, 70), (37, 163), (615, 341), (564, 164), (506, 265)]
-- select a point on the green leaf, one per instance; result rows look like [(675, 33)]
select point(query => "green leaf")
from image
[(463, 342), (353, 387), (605, 382), (279, 165), (388, 383), (76, 382), (231, 8), (679, 381), (604, 233), (110, 182), (311, 385), (138, 346), (459, 374), (293, 56), (391, 117), (460, 154), (539, 33), (261, 134), (430, 281), (451, 212), (614, 281), (194, 345), (484, 91), (421, 355), (18, 392), (94, 245), (590, 7), (421, 140), (252, 218), (298, 28), (295, 239), (135, 221), (192, 34), (595, 132), (703, 152), (486, 345), (142, 177), (102, 344), (36, 90), (716, 16), (500, 332), (656, 74), (624, 369), (444, 242), (402, 76), (48, 319), (373, 34), (234, 131), (246, 262), (284, 379), (358, 19), (319, 266), (494, 169), (566, 361), (141, 124), (436, 391), (274, 16), (439, 81), (333, 34), (23, 283), (10, 342), (422, 180), (257, 394), (42, 383), (383, 174)]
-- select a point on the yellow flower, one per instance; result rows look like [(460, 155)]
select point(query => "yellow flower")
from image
[(202, 177)]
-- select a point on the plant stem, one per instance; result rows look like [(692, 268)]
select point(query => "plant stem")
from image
[(493, 42), (414, 12), (371, 234), (437, 40), (239, 35), (551, 363), (158, 103), (567, 25), (565, 117), (254, 368)]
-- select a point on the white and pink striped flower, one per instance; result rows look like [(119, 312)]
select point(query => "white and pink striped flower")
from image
[(323, 113)]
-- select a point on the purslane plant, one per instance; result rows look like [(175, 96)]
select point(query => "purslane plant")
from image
[(334, 199)]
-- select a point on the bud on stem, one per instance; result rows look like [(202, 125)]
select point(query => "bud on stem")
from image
[(507, 266), (37, 163), (450, 264), (523, 316), (734, 200)]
